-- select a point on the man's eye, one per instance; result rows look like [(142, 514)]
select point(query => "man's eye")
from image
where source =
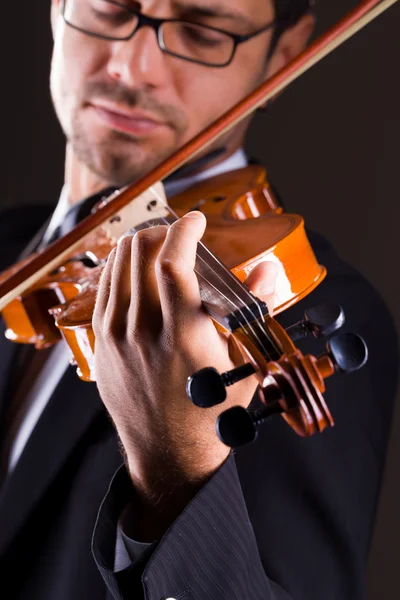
[(120, 17), (202, 36)]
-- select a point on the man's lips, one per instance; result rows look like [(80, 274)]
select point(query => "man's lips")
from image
[(135, 122)]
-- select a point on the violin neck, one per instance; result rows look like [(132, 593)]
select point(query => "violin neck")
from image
[(231, 304)]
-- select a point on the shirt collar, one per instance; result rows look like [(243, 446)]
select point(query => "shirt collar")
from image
[(237, 160), (61, 210)]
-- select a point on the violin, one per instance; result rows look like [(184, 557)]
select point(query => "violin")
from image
[(51, 294)]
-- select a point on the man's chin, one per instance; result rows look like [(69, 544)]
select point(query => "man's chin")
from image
[(118, 158)]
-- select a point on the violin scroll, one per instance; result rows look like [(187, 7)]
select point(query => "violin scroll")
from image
[(295, 391), (206, 388), (292, 385)]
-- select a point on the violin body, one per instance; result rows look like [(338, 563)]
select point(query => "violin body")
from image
[(245, 226)]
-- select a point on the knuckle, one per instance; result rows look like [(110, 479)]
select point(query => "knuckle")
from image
[(108, 334), (145, 244), (171, 269), (141, 242), (105, 329), (180, 230), (124, 244), (177, 225), (190, 223), (108, 330), (150, 236), (113, 334), (137, 335)]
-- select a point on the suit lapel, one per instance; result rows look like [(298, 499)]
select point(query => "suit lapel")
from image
[(25, 229), (73, 407)]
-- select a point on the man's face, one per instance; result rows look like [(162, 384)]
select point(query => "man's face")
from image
[(125, 105)]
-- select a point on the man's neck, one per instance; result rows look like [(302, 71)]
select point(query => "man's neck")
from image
[(79, 180), (82, 183)]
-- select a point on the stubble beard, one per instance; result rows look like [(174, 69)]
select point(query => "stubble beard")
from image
[(118, 160)]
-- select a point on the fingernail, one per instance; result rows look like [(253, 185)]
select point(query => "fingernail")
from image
[(266, 290), (194, 214)]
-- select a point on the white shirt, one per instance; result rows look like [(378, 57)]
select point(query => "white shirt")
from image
[(56, 365)]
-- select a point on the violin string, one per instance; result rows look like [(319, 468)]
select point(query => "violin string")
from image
[(250, 296), (254, 299), (236, 306), (231, 302)]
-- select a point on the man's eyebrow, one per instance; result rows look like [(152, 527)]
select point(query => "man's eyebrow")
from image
[(215, 11)]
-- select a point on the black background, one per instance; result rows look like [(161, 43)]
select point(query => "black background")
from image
[(331, 146)]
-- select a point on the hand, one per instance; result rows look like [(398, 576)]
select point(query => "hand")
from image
[(152, 333)]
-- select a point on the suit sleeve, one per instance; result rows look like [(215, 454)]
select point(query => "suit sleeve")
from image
[(210, 551)]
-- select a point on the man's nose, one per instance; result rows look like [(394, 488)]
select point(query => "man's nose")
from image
[(139, 62)]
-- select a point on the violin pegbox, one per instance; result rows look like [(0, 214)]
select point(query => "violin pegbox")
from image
[(294, 389)]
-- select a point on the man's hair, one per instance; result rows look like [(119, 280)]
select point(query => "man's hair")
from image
[(288, 12)]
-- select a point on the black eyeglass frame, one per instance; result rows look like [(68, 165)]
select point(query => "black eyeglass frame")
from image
[(155, 24)]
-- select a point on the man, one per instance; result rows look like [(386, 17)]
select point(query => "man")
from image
[(180, 516)]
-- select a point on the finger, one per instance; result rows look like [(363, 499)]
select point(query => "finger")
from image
[(103, 290), (120, 286), (177, 282), (262, 283), (145, 309)]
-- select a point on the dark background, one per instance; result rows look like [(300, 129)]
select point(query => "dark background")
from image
[(331, 145)]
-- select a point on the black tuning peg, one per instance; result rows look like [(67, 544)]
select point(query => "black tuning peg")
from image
[(206, 388), (237, 426), (320, 321), (348, 352)]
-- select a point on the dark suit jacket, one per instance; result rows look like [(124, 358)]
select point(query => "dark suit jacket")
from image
[(283, 518)]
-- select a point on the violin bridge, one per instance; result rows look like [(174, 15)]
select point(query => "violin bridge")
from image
[(149, 208)]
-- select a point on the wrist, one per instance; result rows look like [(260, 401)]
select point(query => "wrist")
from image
[(165, 484), (161, 471)]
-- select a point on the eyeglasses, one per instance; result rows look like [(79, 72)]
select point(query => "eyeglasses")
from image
[(111, 20)]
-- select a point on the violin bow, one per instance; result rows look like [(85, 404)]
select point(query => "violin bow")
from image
[(25, 276)]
